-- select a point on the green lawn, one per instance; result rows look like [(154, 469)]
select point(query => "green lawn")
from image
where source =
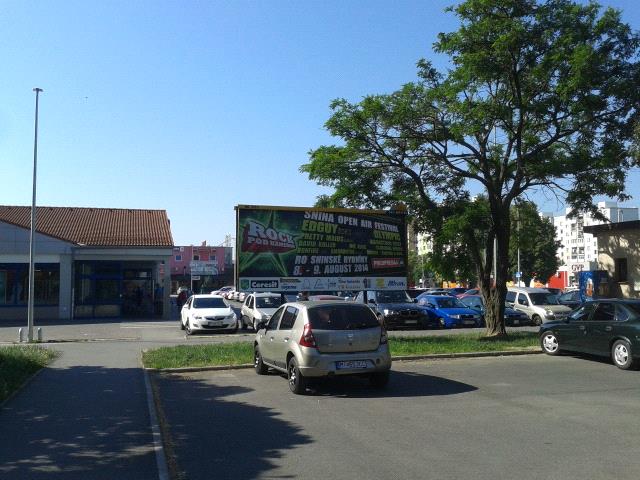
[(242, 352), (17, 364)]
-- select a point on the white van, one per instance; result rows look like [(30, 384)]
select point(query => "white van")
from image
[(539, 304)]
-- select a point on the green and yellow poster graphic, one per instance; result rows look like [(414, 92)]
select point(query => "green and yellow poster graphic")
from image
[(280, 248)]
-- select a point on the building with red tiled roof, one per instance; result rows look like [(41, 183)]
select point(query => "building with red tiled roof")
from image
[(90, 262)]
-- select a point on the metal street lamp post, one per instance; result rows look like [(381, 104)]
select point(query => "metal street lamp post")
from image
[(33, 229)]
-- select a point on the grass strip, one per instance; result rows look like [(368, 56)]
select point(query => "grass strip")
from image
[(242, 352), (462, 343), (19, 363)]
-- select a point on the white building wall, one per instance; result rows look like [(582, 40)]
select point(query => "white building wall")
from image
[(579, 250)]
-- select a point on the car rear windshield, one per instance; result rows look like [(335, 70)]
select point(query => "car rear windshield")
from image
[(393, 296), (268, 302), (543, 298), (209, 303), (342, 317)]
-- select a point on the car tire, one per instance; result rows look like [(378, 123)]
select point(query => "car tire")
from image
[(243, 322), (258, 364), (621, 355), (549, 343), (255, 325), (297, 382), (536, 320), (442, 323), (188, 328), (379, 379)]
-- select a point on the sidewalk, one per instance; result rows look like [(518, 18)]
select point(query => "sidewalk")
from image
[(84, 417)]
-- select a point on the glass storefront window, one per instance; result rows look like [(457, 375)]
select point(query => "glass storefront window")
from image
[(107, 290), (14, 284)]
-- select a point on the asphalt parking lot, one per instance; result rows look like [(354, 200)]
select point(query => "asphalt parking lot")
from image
[(525, 417)]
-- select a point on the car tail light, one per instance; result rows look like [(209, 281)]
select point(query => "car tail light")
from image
[(307, 339), (383, 336)]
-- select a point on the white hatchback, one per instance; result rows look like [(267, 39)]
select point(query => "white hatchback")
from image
[(207, 312)]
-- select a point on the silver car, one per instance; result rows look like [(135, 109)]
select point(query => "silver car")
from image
[(318, 339), (258, 307)]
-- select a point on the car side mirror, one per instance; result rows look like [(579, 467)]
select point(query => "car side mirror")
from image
[(415, 300), (261, 325)]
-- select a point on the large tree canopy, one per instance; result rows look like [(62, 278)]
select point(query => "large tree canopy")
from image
[(540, 95)]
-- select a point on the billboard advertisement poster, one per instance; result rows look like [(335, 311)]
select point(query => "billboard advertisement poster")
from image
[(309, 249)]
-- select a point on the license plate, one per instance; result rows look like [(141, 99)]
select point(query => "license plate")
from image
[(411, 322), (516, 322), (351, 364), (216, 323), (469, 322)]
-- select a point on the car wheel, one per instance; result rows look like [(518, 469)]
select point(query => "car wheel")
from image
[(549, 343), (536, 320), (621, 355), (297, 382), (442, 323), (255, 325), (243, 322), (188, 327), (379, 379), (258, 364)]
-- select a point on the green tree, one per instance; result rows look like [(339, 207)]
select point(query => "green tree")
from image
[(538, 96), (535, 237)]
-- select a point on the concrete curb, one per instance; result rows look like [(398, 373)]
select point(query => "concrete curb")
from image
[(20, 388), (401, 358)]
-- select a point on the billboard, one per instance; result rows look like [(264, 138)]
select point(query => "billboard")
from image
[(309, 249)]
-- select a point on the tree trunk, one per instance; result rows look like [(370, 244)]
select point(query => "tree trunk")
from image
[(494, 295)]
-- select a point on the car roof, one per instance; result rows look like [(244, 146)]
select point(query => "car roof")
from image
[(325, 303), (265, 294), (206, 295), (528, 290)]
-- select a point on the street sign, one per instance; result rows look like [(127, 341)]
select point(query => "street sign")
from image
[(518, 274)]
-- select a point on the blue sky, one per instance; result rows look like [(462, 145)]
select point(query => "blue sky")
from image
[(196, 106)]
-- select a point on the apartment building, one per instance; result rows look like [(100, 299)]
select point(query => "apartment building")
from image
[(579, 250)]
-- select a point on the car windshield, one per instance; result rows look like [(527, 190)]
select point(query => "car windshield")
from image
[(394, 296), (209, 303), (472, 301), (268, 302), (448, 302), (543, 298), (342, 317)]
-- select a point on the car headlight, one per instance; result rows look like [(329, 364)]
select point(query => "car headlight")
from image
[(197, 317), (231, 317), (456, 316), (388, 311), (549, 313)]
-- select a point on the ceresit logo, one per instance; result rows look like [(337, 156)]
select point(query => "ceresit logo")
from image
[(258, 238), (265, 284)]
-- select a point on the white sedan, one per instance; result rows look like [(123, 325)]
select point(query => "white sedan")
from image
[(207, 312)]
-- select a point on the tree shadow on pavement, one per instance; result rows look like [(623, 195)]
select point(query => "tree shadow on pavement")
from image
[(78, 423), (210, 437)]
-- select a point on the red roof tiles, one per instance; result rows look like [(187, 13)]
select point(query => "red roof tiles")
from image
[(96, 226)]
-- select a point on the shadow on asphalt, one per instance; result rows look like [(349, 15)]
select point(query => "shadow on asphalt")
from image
[(401, 385), (210, 437), (78, 423)]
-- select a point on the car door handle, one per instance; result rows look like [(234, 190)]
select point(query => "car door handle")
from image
[(286, 339), (271, 339), (608, 329), (581, 327)]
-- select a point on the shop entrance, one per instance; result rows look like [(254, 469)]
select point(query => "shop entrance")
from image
[(137, 293)]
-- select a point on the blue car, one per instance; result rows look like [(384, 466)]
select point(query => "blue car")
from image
[(512, 318), (450, 311)]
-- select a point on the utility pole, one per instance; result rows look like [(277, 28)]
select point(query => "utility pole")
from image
[(32, 237)]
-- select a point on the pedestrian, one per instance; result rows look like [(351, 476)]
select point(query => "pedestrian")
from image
[(182, 298)]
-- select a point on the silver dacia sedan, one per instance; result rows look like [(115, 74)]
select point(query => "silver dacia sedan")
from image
[(318, 339)]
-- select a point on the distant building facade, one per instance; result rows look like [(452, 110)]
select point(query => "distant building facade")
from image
[(202, 268), (579, 250)]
